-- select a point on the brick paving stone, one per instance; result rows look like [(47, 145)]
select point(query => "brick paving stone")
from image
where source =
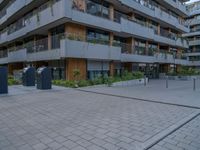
[(182, 139), (71, 119)]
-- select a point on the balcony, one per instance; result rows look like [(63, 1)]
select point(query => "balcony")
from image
[(181, 42), (13, 8), (18, 54), (155, 12), (177, 5), (195, 22), (3, 57), (192, 33), (194, 42), (36, 21), (81, 49), (53, 54), (136, 29)]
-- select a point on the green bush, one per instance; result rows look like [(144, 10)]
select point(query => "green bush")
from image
[(83, 83), (99, 80), (109, 81), (138, 75), (13, 82), (187, 71), (127, 75), (64, 83)]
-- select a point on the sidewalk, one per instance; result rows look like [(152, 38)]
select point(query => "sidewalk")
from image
[(178, 92)]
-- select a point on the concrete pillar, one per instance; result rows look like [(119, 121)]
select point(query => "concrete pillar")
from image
[(111, 39), (158, 51), (49, 40), (111, 12), (147, 47), (130, 45), (158, 29)]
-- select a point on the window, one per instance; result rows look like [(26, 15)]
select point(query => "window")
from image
[(56, 36), (97, 36), (97, 8)]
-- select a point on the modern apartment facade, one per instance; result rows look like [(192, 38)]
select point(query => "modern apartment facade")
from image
[(94, 36), (193, 36)]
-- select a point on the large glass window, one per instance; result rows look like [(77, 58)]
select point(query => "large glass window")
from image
[(140, 47), (97, 8), (56, 36), (97, 36)]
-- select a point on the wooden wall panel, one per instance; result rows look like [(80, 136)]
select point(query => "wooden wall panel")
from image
[(72, 64), (76, 30), (112, 68), (14, 66)]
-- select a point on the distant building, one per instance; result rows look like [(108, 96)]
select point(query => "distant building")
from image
[(194, 35)]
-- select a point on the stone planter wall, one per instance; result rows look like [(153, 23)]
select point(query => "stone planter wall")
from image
[(130, 82)]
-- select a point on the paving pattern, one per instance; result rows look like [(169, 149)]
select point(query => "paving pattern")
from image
[(186, 138), (67, 119)]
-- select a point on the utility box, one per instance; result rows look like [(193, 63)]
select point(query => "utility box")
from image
[(28, 76), (3, 80), (44, 78)]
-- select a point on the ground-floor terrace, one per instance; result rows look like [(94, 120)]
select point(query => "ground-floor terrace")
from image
[(92, 69)]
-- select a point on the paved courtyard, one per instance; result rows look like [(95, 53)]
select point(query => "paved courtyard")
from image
[(70, 119)]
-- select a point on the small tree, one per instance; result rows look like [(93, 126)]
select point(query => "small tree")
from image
[(76, 75)]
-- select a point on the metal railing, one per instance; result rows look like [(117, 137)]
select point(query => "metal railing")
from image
[(3, 53), (53, 42), (24, 21)]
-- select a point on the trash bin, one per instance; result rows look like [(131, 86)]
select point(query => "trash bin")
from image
[(44, 78), (3, 80), (28, 76)]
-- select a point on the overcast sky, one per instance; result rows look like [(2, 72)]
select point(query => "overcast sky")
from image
[(193, 1)]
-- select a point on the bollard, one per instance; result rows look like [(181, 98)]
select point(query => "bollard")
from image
[(145, 81), (194, 84), (166, 81)]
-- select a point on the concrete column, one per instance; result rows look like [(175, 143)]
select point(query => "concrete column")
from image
[(147, 47), (158, 48), (111, 12), (158, 29), (49, 40), (111, 39), (130, 45)]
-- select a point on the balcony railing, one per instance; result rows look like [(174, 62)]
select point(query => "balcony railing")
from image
[(24, 21), (3, 53), (152, 5), (3, 12)]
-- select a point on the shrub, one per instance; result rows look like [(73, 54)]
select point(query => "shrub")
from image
[(83, 83), (96, 81), (138, 75), (186, 71), (13, 82), (109, 81), (127, 75)]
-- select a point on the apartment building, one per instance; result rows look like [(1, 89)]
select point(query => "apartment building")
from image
[(95, 36), (193, 36)]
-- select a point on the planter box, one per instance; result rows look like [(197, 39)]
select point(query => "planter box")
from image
[(130, 82)]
